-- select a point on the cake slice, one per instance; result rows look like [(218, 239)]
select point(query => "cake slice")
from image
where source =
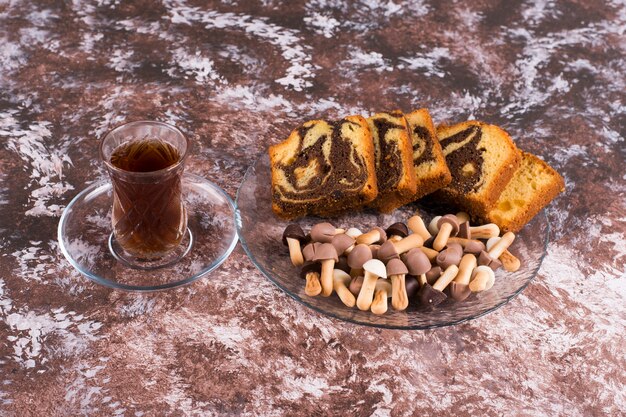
[(323, 168), (533, 186), (393, 153), (431, 170), (482, 159)]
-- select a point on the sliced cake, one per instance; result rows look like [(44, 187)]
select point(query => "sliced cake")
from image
[(533, 186), (482, 159), (324, 167), (431, 170), (393, 153)]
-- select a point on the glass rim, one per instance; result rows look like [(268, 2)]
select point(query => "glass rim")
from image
[(170, 168)]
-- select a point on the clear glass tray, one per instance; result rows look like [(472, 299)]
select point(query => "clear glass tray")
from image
[(260, 232), (85, 237)]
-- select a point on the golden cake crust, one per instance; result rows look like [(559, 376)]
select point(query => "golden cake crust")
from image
[(431, 170), (487, 165), (325, 155), (533, 186), (393, 160)]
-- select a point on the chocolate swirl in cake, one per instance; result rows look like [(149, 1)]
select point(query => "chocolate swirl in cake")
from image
[(466, 166), (302, 131), (319, 172), (388, 157), (422, 145)]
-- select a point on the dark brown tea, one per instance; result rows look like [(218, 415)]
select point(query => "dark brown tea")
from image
[(145, 155), (149, 216)]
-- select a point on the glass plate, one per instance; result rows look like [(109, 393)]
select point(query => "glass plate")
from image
[(85, 230), (260, 232)]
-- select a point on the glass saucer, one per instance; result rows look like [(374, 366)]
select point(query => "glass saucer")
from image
[(85, 238), (260, 232)]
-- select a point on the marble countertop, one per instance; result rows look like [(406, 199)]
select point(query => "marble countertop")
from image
[(236, 76)]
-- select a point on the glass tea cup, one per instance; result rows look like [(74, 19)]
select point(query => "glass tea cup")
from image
[(145, 161)]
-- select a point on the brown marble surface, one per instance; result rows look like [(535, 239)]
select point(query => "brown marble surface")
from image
[(236, 76)]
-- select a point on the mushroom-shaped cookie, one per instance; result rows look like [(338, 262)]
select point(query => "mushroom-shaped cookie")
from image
[(374, 269), (396, 271), (434, 295), (386, 252), (449, 256), (397, 231), (376, 235), (324, 232), (410, 242), (294, 236), (391, 250), (310, 271), (433, 274), (433, 226), (342, 243), (353, 232), (355, 285), (417, 264), (469, 245), (485, 231), (459, 288), (509, 261), (483, 279), (308, 252), (416, 224), (448, 226), (485, 259), (382, 291), (464, 230), (327, 256), (412, 286), (341, 280), (495, 247), (357, 257)]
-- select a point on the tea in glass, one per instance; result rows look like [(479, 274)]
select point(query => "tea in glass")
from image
[(145, 162)]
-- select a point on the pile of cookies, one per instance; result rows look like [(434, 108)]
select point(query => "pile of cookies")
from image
[(405, 262)]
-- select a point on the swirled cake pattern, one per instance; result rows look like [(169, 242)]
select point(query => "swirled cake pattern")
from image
[(323, 167)]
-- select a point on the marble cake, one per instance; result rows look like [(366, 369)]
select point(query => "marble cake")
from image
[(323, 168), (533, 186), (431, 170), (482, 159), (393, 152)]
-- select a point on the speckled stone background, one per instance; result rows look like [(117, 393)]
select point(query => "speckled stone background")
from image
[(236, 76)]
